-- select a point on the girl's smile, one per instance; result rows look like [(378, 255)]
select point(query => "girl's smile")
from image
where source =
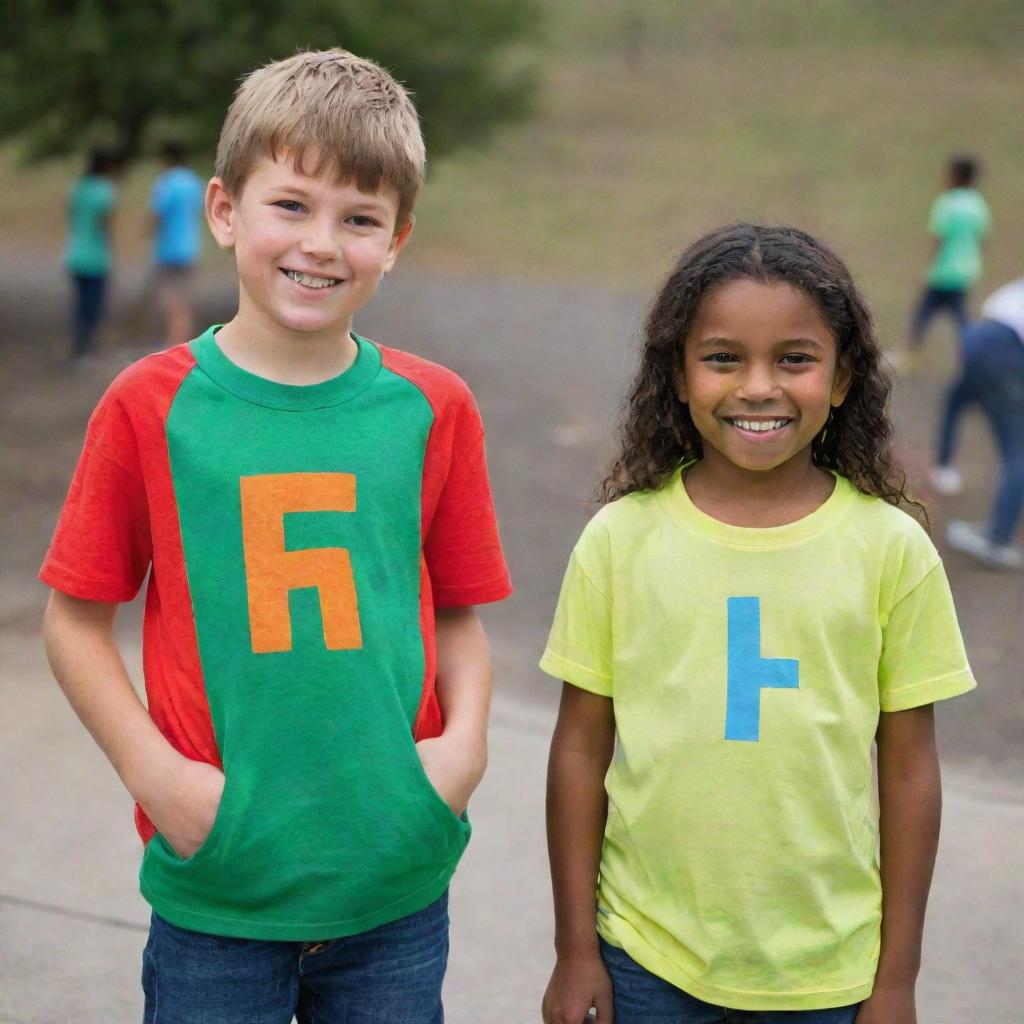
[(760, 374)]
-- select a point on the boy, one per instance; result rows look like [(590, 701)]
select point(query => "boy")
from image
[(177, 204), (959, 221), (308, 501)]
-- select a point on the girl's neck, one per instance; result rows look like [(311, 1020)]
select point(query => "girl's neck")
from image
[(741, 497)]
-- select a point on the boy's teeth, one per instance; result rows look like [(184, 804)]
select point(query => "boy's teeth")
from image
[(760, 425), (311, 282)]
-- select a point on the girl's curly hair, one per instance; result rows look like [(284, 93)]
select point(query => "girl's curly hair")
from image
[(656, 433)]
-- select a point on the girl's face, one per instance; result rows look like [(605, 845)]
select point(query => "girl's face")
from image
[(760, 372)]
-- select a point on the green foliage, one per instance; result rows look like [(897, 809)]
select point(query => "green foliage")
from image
[(121, 72)]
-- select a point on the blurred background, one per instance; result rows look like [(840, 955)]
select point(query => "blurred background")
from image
[(574, 148)]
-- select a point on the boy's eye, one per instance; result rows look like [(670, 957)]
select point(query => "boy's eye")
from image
[(291, 205), (362, 221)]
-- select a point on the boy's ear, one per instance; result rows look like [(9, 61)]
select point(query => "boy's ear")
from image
[(398, 243), (841, 381), (220, 213)]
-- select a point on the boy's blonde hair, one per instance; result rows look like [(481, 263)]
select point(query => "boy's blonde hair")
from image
[(360, 120)]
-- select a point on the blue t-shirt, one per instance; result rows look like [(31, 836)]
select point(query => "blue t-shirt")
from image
[(89, 205), (177, 200)]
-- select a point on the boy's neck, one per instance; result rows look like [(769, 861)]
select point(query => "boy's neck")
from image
[(285, 358), (741, 497)]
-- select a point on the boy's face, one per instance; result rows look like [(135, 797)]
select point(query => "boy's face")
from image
[(310, 251)]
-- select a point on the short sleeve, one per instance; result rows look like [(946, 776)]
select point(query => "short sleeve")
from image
[(984, 218), (158, 197), (579, 648), (923, 658), (462, 547), (937, 217), (101, 548)]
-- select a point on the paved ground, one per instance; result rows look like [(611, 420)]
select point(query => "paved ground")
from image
[(547, 364)]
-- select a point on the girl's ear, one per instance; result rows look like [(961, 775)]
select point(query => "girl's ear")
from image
[(841, 381), (679, 378)]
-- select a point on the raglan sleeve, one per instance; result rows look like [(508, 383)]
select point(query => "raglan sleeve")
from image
[(462, 547), (923, 658), (580, 646), (101, 548)]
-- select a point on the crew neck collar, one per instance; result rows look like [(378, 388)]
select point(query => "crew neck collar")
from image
[(680, 507), (297, 397)]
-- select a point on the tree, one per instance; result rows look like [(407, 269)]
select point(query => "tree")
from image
[(120, 71)]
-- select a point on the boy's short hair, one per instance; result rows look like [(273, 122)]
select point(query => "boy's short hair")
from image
[(963, 170), (362, 122)]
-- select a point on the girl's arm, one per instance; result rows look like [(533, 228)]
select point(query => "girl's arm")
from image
[(577, 806), (455, 760), (910, 797)]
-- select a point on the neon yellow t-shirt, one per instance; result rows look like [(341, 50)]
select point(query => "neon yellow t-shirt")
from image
[(747, 669)]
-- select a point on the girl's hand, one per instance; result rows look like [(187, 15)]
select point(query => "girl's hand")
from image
[(889, 1004), (577, 984), (453, 767), (185, 806)]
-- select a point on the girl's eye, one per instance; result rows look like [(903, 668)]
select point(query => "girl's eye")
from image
[(290, 205), (720, 358), (797, 359)]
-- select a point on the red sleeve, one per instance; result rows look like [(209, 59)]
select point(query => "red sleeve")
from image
[(101, 548), (462, 547)]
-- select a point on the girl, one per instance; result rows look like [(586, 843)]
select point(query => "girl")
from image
[(744, 618)]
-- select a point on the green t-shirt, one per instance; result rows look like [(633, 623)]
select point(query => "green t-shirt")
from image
[(88, 247), (747, 668), (960, 220)]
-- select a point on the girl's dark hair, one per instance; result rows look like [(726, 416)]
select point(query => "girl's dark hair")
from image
[(656, 433)]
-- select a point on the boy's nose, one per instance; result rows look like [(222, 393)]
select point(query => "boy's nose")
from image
[(320, 241)]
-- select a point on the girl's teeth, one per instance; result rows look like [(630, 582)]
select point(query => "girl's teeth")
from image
[(758, 426)]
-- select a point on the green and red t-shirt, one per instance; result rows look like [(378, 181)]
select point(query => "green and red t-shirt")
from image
[(298, 540)]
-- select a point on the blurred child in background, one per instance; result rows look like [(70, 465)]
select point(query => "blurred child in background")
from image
[(177, 204), (992, 376), (88, 252), (959, 222)]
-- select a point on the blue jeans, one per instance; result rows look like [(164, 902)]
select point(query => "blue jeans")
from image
[(639, 997), (87, 312), (992, 375), (934, 300), (391, 974)]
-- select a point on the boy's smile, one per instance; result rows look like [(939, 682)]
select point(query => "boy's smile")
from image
[(760, 374), (310, 250)]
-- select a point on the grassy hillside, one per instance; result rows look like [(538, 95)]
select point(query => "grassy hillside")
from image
[(658, 120)]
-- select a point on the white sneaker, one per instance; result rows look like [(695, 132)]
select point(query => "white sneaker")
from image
[(946, 480), (972, 539)]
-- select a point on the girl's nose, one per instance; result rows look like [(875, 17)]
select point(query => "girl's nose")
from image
[(758, 386)]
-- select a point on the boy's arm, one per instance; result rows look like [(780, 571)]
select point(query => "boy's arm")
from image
[(455, 760), (180, 796), (910, 797), (577, 807)]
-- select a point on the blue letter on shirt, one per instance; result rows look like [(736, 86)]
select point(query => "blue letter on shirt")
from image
[(749, 673)]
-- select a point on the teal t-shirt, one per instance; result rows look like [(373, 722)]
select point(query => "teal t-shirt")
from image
[(960, 220), (88, 249)]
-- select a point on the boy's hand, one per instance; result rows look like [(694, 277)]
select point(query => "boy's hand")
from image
[(889, 1004), (184, 806), (577, 984), (454, 767)]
